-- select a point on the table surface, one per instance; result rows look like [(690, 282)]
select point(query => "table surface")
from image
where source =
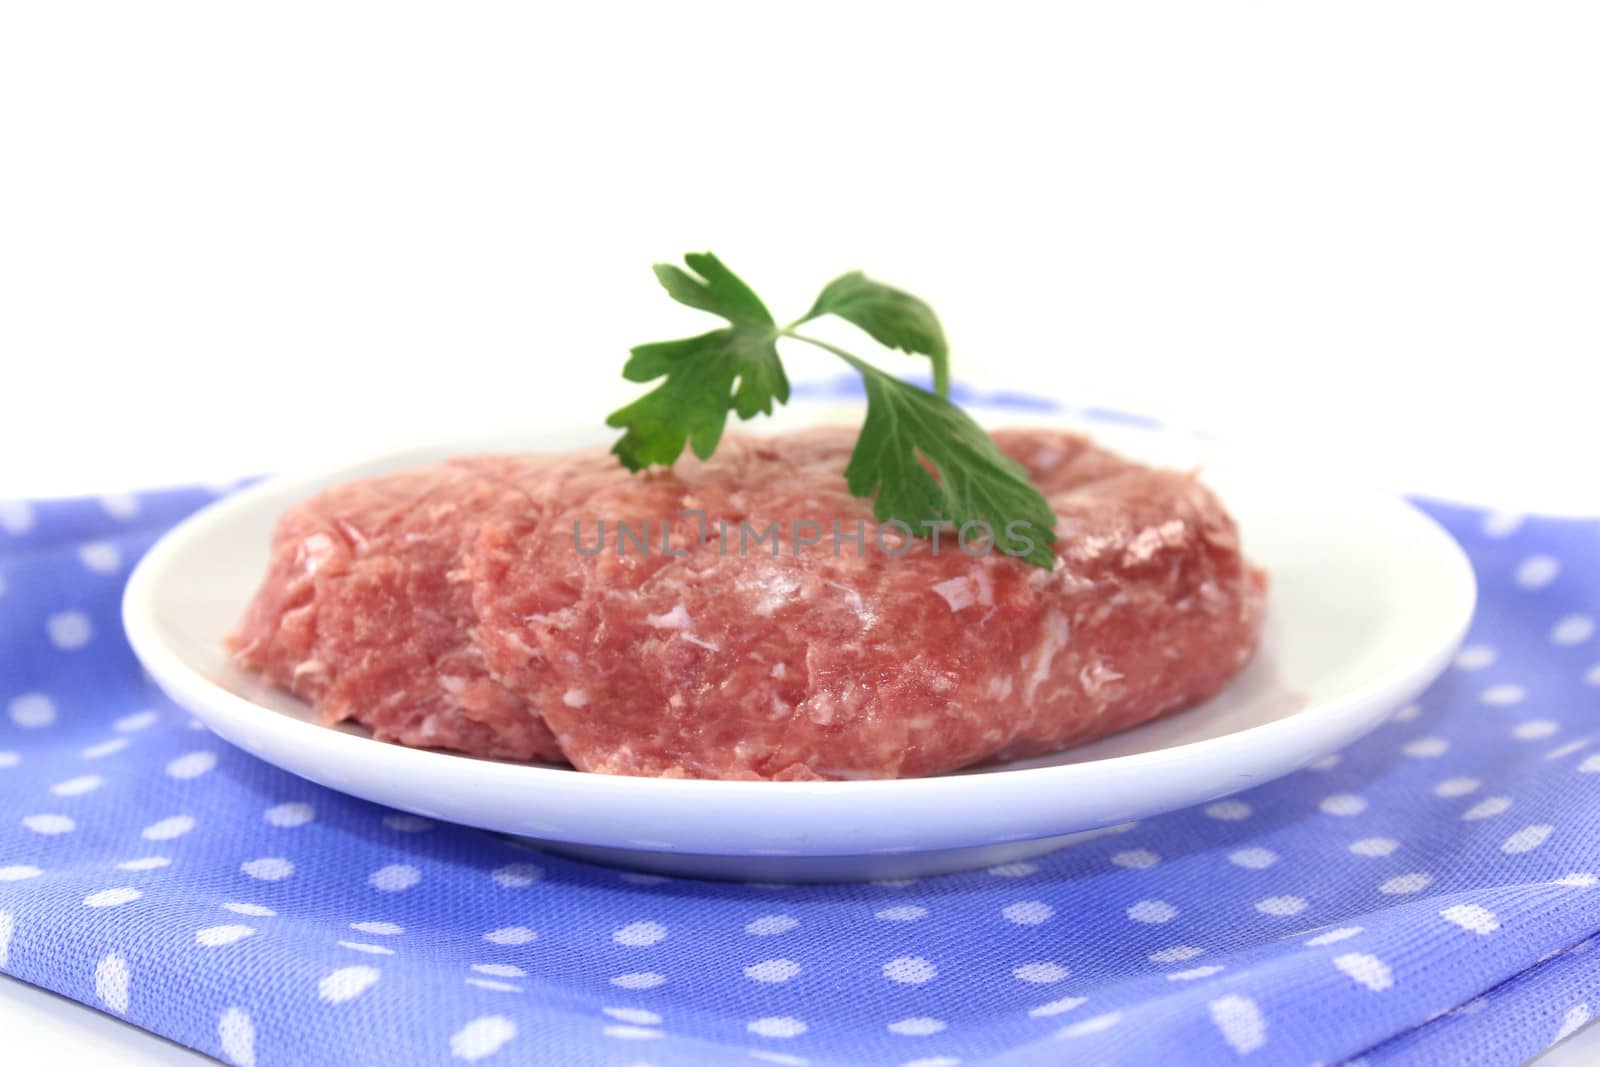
[(1365, 231)]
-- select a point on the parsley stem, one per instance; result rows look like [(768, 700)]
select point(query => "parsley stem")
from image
[(788, 331), (941, 377)]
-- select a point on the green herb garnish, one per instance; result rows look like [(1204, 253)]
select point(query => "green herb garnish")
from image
[(737, 368)]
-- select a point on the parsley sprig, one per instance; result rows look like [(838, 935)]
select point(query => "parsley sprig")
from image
[(737, 368)]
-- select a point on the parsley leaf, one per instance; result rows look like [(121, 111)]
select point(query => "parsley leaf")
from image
[(907, 428), (978, 485), (721, 292), (893, 318), (736, 368)]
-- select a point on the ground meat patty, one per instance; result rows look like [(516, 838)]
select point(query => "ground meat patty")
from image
[(494, 606)]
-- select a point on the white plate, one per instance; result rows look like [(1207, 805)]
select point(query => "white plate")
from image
[(1369, 600)]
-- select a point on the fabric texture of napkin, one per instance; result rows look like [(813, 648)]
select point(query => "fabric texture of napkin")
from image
[(1428, 895)]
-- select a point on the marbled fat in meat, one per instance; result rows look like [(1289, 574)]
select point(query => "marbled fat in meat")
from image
[(450, 607)]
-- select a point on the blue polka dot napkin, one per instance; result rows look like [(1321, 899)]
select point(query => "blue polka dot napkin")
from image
[(1427, 896)]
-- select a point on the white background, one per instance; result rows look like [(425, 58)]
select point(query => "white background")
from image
[(238, 238), (242, 238)]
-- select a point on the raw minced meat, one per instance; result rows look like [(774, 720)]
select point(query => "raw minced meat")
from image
[(494, 606)]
